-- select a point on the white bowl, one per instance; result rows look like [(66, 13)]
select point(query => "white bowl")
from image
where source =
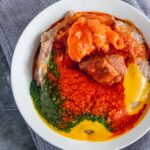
[(22, 68)]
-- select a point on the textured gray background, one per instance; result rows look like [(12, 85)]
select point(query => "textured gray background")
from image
[(14, 133)]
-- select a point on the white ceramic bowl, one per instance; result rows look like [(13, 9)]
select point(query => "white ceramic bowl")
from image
[(22, 68)]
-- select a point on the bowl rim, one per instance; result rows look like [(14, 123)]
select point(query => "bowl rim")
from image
[(13, 83)]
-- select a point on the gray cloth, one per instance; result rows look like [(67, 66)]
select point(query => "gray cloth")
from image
[(14, 16), (13, 136)]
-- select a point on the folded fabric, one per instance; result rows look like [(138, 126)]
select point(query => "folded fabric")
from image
[(14, 17)]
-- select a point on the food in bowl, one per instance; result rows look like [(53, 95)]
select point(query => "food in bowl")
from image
[(91, 76)]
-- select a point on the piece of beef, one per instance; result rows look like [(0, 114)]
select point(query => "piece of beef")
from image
[(47, 39), (105, 70)]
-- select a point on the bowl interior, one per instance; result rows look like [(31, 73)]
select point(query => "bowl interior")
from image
[(22, 68)]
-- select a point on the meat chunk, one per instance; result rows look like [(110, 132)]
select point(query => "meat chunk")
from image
[(144, 67), (133, 39), (47, 39), (105, 70)]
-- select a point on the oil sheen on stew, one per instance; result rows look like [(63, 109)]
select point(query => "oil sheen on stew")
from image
[(90, 76)]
